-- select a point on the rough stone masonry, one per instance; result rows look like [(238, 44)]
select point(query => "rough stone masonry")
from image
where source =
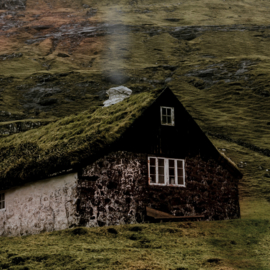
[(114, 190)]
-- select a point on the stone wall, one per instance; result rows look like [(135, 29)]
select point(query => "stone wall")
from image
[(114, 190), (46, 205)]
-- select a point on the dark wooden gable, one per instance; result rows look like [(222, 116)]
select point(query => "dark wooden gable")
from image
[(185, 138)]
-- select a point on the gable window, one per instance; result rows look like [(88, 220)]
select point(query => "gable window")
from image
[(167, 116), (2, 201), (166, 171)]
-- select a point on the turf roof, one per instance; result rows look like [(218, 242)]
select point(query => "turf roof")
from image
[(64, 144), (61, 145)]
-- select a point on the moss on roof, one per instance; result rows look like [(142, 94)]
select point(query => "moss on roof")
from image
[(63, 144), (71, 141)]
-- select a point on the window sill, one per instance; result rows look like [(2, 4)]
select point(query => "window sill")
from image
[(165, 185), (3, 209), (167, 125), (155, 184), (174, 185)]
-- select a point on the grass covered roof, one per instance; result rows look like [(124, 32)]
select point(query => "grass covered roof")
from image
[(61, 145), (71, 141)]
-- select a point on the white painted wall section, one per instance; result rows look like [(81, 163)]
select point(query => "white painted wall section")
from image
[(46, 205)]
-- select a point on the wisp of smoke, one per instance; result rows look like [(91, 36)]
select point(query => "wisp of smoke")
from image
[(117, 47)]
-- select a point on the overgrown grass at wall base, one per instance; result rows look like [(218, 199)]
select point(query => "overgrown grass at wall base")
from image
[(226, 245)]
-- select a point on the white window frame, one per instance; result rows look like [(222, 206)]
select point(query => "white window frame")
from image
[(2, 199), (172, 115), (166, 171)]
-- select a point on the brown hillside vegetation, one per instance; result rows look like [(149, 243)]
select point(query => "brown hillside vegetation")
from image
[(57, 59)]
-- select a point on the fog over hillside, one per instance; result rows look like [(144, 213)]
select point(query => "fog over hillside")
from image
[(58, 58)]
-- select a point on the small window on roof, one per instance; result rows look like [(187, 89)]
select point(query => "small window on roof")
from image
[(2, 201), (167, 116)]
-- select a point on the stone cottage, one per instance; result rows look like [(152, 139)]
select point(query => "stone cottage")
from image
[(142, 159)]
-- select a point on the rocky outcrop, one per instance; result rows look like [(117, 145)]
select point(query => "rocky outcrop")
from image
[(40, 96), (4, 57), (191, 32), (16, 127), (12, 4), (6, 116), (215, 73)]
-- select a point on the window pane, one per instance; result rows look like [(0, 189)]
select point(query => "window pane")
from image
[(153, 161), (180, 172), (161, 162), (169, 112), (152, 170), (152, 178), (172, 180), (3, 204), (163, 111), (171, 163), (180, 181), (179, 163), (163, 119), (161, 170), (171, 171), (169, 120), (161, 179)]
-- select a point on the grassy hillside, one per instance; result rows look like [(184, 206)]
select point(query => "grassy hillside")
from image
[(57, 58)]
